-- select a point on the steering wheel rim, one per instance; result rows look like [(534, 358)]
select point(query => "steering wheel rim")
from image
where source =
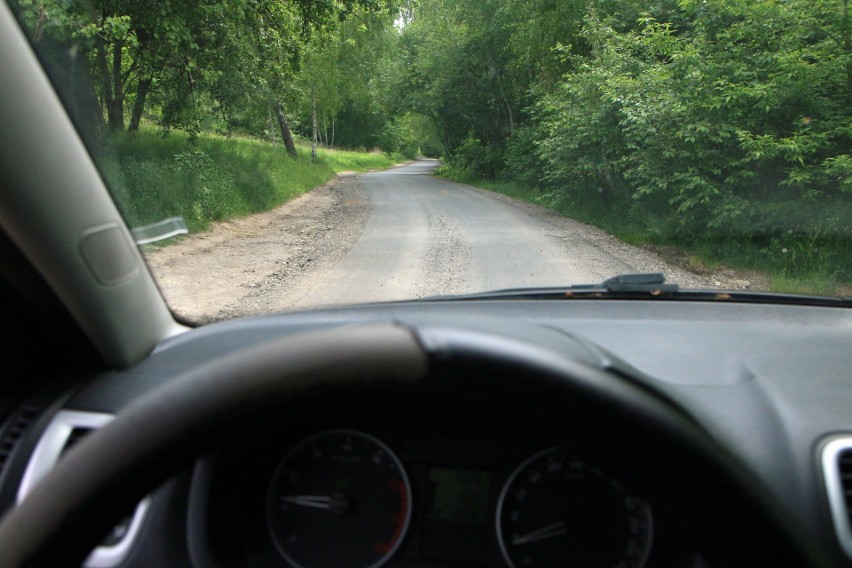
[(94, 483)]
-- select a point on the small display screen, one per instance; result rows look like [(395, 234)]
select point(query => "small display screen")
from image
[(459, 495)]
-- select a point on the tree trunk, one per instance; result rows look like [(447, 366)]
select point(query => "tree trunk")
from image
[(314, 129), (847, 47), (286, 135), (496, 72), (442, 134), (607, 187), (116, 110), (333, 117), (101, 61), (271, 128), (139, 104)]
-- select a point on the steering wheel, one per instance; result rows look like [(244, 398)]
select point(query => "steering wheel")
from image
[(68, 512)]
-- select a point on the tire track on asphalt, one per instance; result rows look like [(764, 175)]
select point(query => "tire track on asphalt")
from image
[(444, 269)]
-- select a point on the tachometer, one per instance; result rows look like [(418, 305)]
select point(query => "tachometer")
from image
[(558, 510), (339, 497)]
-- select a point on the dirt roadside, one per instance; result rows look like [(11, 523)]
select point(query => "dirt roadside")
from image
[(254, 265), (245, 266)]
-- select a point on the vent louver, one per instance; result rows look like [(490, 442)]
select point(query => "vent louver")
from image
[(837, 469), (844, 466), (15, 430), (75, 436)]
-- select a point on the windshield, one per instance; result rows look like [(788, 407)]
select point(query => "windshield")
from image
[(284, 154)]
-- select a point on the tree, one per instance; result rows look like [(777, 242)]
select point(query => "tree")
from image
[(188, 56)]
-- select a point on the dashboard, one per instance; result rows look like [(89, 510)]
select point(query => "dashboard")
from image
[(481, 466)]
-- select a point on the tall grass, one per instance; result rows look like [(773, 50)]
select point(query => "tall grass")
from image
[(214, 178)]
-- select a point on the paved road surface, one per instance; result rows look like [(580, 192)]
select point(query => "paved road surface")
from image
[(425, 236)]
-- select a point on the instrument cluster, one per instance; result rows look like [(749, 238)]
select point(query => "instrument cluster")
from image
[(421, 496), (345, 494)]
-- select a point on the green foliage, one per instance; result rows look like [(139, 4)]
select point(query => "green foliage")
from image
[(187, 65), (473, 159), (721, 125), (396, 137), (454, 66), (522, 163)]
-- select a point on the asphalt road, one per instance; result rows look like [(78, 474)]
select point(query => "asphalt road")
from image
[(424, 236)]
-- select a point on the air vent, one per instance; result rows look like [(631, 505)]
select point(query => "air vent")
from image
[(15, 430), (837, 469), (120, 530), (65, 430)]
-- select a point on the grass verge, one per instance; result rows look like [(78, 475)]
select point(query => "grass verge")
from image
[(214, 178), (791, 263)]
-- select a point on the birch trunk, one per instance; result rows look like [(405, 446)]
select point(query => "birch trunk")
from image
[(314, 129)]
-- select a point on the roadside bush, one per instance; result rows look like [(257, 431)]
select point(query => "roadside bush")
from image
[(522, 162), (736, 124), (474, 159)]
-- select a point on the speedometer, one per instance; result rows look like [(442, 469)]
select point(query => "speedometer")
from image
[(556, 509), (339, 494)]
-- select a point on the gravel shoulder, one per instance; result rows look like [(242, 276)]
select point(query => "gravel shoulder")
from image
[(272, 261), (246, 266)]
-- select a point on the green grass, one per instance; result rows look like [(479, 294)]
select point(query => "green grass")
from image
[(793, 263), (215, 178), (510, 189), (797, 263), (807, 285)]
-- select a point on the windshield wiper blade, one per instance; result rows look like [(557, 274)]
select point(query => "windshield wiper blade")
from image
[(641, 286), (652, 283)]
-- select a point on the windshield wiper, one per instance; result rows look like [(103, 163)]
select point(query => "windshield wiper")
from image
[(652, 282), (644, 283), (645, 286)]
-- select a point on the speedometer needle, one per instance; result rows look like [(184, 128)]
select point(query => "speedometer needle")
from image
[(337, 503), (550, 531), (318, 501)]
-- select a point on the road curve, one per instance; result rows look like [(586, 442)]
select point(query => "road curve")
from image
[(426, 236)]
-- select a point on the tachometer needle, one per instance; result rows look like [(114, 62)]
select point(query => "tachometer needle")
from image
[(553, 530), (337, 503)]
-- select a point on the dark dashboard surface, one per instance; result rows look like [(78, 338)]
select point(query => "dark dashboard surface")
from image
[(765, 379), (769, 382)]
